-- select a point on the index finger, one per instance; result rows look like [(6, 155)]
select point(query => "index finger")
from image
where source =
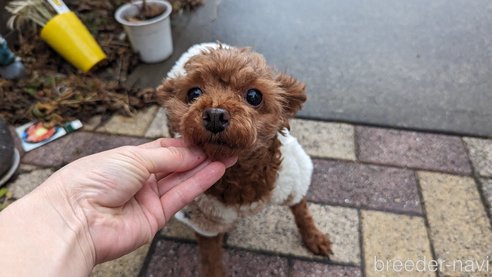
[(179, 196), (163, 142), (167, 159)]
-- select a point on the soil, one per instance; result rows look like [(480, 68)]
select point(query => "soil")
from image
[(147, 12), (54, 92)]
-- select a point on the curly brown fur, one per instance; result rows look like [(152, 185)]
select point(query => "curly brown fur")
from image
[(211, 255), (313, 238), (225, 75), (251, 179)]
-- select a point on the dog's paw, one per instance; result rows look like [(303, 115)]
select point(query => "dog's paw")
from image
[(318, 243)]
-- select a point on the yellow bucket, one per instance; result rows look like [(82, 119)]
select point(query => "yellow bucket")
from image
[(70, 38)]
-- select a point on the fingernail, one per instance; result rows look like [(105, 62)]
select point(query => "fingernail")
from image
[(230, 161)]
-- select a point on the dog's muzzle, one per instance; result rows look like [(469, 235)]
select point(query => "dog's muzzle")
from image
[(216, 120)]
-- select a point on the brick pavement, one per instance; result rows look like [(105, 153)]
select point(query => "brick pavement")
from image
[(382, 194)]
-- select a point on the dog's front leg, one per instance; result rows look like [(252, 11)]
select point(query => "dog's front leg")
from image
[(313, 238), (211, 255)]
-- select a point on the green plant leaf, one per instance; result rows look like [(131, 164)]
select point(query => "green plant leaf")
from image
[(3, 192)]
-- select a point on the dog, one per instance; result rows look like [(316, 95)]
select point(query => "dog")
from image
[(229, 102)]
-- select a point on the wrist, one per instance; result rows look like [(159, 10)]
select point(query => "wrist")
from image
[(46, 233), (71, 225)]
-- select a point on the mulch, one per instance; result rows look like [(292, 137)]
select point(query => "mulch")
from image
[(54, 92)]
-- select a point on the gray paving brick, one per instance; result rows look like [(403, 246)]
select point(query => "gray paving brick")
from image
[(27, 181), (74, 146), (313, 269), (413, 149), (158, 127), (275, 230), (182, 259), (135, 125), (325, 139), (487, 190), (245, 263), (365, 186), (481, 155), (459, 227), (391, 238), (174, 259), (128, 265)]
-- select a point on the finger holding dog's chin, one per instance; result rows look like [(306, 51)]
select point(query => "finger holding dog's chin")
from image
[(215, 152), (228, 162)]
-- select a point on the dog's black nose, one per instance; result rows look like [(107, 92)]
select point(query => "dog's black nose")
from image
[(215, 119)]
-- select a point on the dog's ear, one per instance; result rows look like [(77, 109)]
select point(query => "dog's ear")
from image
[(295, 93), (165, 91)]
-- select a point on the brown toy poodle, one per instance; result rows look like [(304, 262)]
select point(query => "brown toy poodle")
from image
[(228, 101)]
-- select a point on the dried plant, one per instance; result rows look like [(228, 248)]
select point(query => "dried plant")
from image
[(54, 92), (24, 11)]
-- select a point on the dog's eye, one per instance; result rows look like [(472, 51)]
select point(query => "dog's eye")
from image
[(254, 97), (193, 94)]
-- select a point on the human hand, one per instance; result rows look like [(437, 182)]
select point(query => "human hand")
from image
[(122, 197)]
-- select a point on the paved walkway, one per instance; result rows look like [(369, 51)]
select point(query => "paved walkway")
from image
[(383, 195), (412, 64)]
